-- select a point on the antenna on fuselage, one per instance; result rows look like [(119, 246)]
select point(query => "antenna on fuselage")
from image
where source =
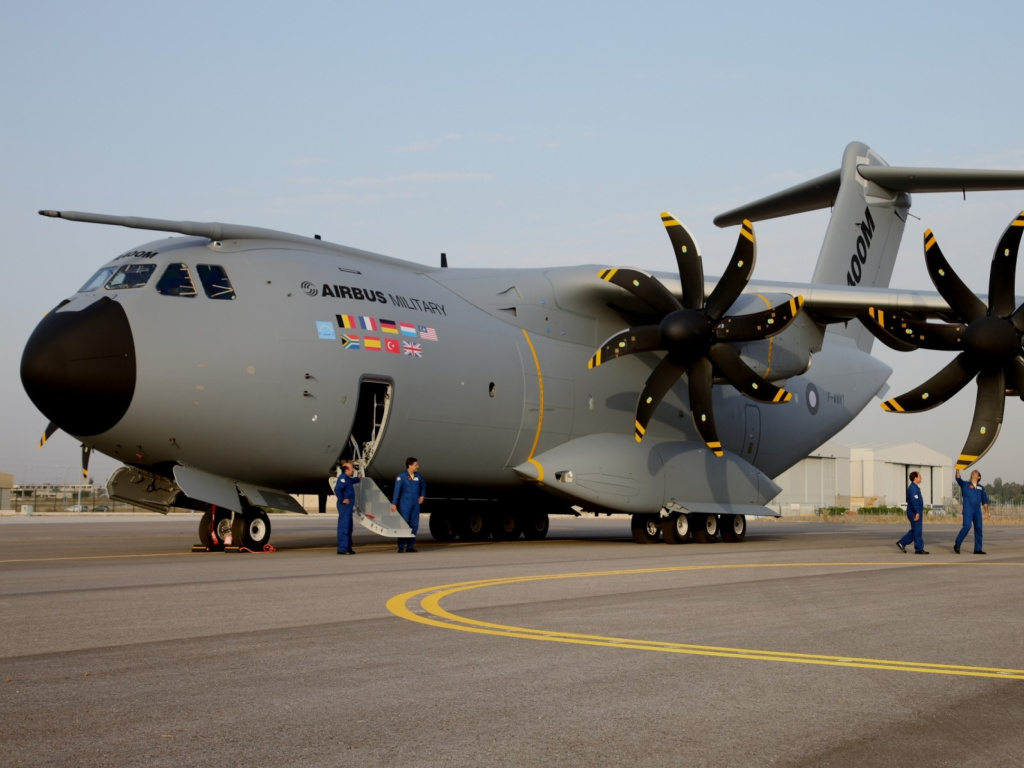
[(444, 261)]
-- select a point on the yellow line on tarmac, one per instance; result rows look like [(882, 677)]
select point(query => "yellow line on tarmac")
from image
[(94, 557), (431, 613)]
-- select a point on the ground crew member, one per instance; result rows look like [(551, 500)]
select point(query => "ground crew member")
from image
[(345, 490), (974, 499), (915, 512), (410, 489)]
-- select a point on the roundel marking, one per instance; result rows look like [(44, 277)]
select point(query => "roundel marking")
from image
[(813, 399)]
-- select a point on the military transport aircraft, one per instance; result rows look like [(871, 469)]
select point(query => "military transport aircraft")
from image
[(233, 366)]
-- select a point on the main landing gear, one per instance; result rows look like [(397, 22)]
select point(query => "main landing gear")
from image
[(474, 525), (248, 530), (680, 527)]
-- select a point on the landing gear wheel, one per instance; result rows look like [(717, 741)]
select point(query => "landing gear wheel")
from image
[(220, 521), (252, 529), (441, 527), (471, 526), (535, 527), (734, 528), (705, 528), (645, 528), (506, 526), (676, 528)]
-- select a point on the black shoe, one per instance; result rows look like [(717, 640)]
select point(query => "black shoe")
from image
[(350, 552), (980, 552), (956, 549), (412, 549), (921, 552), (902, 546), (401, 551)]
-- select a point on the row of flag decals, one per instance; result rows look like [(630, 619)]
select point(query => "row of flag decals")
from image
[(361, 324)]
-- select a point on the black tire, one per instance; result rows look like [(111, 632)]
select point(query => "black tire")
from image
[(535, 526), (441, 528), (676, 528), (506, 526), (734, 528), (471, 526), (646, 528), (252, 529), (221, 523), (705, 528)]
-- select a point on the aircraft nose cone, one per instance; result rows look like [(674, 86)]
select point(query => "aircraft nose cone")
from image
[(79, 367)]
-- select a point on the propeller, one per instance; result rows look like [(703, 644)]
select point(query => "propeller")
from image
[(694, 333), (988, 339), (51, 428)]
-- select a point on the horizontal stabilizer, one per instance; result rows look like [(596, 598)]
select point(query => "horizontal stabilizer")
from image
[(821, 192)]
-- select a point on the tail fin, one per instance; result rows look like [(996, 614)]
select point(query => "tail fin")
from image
[(870, 202)]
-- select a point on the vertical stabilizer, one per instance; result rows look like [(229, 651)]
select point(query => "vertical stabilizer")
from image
[(863, 235)]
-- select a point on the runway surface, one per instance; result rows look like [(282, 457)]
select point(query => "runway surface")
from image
[(809, 644)]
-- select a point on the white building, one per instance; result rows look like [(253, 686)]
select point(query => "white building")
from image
[(865, 476), (879, 474), (820, 480)]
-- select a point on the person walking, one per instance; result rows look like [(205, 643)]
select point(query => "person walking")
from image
[(345, 491), (410, 489), (915, 512), (975, 499)]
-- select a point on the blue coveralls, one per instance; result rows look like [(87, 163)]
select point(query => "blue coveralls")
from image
[(407, 499), (345, 489), (915, 506), (974, 498)]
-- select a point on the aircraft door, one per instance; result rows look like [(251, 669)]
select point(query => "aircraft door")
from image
[(372, 410), (751, 433)]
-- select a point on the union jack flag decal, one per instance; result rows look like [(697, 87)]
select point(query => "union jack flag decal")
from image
[(413, 350)]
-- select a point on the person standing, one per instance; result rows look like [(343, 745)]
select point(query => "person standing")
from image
[(915, 512), (345, 490), (974, 499), (410, 489)]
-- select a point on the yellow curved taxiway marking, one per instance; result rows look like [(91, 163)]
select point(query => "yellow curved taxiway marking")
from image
[(430, 612)]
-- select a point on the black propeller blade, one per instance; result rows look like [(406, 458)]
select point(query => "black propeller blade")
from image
[(86, 452), (48, 433), (989, 340), (694, 333)]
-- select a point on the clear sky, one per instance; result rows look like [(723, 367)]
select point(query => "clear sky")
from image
[(526, 134)]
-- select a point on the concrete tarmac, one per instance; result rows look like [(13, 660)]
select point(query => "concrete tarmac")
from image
[(809, 644)]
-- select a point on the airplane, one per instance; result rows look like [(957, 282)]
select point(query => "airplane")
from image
[(230, 366)]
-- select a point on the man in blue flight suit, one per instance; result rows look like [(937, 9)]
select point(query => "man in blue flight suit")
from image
[(915, 511), (410, 489), (974, 499), (345, 490)]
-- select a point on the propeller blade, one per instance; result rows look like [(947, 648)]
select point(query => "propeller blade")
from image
[(627, 342), (50, 429), (918, 333), (937, 390), (691, 266), (646, 288), (988, 418), (1001, 300), (701, 381), (658, 384), (870, 322), (736, 276), (86, 452), (744, 378), (758, 325), (1014, 371), (968, 306)]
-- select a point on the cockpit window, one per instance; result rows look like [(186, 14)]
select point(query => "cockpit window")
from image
[(215, 282), (97, 280), (176, 281), (130, 276)]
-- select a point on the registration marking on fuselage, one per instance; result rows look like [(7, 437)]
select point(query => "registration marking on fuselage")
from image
[(424, 606)]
